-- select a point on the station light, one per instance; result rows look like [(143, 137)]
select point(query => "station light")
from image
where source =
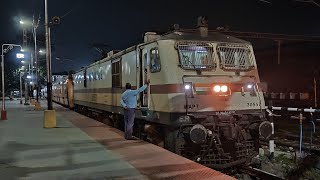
[(56, 20), (28, 77), (20, 55)]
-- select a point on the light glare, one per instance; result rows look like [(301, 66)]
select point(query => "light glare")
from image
[(224, 88), (217, 88), (249, 86), (187, 86), (20, 55)]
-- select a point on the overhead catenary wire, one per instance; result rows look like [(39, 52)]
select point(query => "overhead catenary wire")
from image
[(309, 1), (265, 1)]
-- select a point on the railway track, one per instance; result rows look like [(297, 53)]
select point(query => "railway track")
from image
[(290, 139), (282, 140), (258, 173), (303, 166), (253, 172)]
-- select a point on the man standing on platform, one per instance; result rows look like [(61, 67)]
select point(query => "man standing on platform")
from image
[(129, 103)]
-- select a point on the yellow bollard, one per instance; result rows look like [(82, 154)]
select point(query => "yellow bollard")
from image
[(37, 106), (49, 119)]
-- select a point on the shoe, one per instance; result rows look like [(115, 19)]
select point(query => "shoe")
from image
[(131, 138)]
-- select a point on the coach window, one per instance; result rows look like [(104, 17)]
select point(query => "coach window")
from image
[(85, 79), (96, 76), (155, 65), (91, 76), (116, 74)]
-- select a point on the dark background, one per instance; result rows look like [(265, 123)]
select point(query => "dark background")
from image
[(121, 24)]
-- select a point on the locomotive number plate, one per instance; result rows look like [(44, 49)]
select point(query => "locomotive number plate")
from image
[(252, 104), (191, 106)]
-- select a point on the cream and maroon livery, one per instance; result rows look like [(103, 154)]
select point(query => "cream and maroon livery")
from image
[(62, 90), (204, 100)]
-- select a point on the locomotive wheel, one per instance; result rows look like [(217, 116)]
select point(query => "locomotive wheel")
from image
[(172, 141), (107, 121), (119, 122), (100, 117), (138, 130), (84, 111)]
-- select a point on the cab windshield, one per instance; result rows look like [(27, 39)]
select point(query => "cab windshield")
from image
[(235, 57), (196, 55)]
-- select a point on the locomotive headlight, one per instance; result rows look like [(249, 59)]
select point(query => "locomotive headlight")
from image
[(224, 88), (216, 88), (188, 89), (251, 88)]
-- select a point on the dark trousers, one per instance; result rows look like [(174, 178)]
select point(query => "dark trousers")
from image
[(128, 122)]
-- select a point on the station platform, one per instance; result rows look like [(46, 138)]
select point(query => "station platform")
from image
[(82, 148)]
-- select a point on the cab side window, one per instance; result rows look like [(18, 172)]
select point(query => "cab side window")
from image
[(116, 74), (155, 65)]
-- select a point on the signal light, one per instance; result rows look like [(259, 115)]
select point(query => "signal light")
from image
[(56, 20)]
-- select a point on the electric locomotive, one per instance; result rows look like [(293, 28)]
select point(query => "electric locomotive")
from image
[(204, 101)]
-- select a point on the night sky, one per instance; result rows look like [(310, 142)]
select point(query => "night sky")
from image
[(121, 24)]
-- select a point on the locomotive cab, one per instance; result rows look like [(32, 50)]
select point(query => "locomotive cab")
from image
[(208, 89)]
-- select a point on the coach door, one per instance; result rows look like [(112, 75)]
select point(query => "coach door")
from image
[(144, 76)]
